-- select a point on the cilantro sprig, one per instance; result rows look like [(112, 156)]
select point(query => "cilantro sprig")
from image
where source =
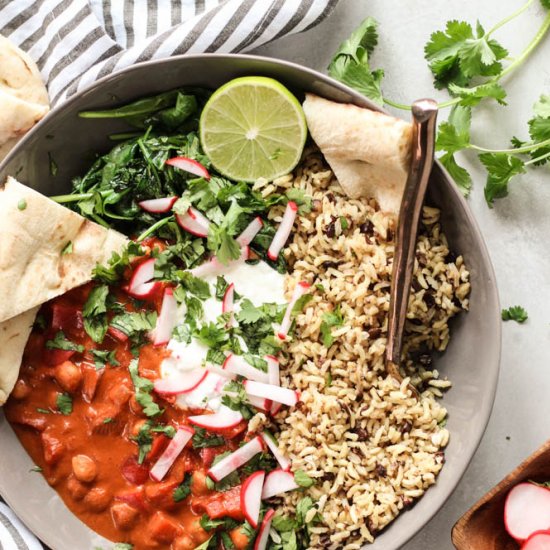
[(515, 313), (470, 64)]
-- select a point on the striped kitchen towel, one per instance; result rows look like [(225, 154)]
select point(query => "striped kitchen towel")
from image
[(75, 42)]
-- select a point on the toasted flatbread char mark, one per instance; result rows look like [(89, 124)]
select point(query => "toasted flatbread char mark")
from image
[(14, 334), (35, 263), (369, 152), (23, 96)]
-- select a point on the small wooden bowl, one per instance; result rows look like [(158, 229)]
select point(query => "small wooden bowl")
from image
[(482, 526)]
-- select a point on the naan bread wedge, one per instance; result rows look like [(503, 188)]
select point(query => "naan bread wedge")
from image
[(37, 263), (23, 96), (368, 152), (14, 334)]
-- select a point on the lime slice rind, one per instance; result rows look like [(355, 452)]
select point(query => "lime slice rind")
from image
[(253, 127)]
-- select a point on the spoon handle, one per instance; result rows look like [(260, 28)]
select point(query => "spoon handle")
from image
[(424, 113)]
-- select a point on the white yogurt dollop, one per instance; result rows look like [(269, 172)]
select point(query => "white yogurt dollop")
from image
[(260, 284)]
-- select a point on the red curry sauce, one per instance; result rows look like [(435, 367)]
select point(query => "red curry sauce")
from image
[(88, 456)]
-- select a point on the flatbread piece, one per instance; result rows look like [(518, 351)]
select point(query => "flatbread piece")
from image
[(45, 249), (369, 152)]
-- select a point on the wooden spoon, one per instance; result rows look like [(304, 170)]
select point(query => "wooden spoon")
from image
[(482, 526)]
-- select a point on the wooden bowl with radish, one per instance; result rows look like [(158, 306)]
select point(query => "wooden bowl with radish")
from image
[(514, 514)]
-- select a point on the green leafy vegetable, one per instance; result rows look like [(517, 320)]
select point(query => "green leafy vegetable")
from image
[(202, 439), (67, 249), (329, 320), (183, 490), (102, 357), (143, 388), (134, 323), (501, 168), (302, 479), (61, 342), (514, 313), (226, 523), (64, 403), (94, 312)]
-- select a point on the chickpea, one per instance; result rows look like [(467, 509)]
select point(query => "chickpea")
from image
[(124, 516), (76, 489), (84, 468), (120, 394), (68, 376), (198, 483), (21, 390), (97, 499), (185, 542)]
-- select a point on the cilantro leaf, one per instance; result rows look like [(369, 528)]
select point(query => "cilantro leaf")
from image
[(64, 403), (470, 97), (454, 134), (183, 490), (460, 175), (539, 128), (350, 64), (95, 308), (330, 319), (302, 479), (249, 313), (102, 357), (226, 522), (221, 287), (236, 398), (144, 440), (514, 313), (123, 546), (143, 388), (201, 439), (61, 342), (133, 323), (501, 168), (117, 264)]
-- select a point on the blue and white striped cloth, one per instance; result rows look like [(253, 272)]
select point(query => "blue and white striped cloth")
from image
[(75, 42)]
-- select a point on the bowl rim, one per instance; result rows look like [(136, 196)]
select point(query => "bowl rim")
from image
[(486, 406)]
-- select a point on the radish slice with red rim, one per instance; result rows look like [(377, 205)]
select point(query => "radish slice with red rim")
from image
[(278, 482), (167, 318), (263, 535), (260, 403), (227, 303), (272, 370), (539, 540), (250, 231), (213, 266), (251, 497), (146, 290), (285, 396), (168, 457), (182, 383), (189, 165), (158, 206), (236, 459), (222, 420), (194, 222), (273, 446), (299, 290), (142, 274), (283, 231), (526, 510), (236, 364)]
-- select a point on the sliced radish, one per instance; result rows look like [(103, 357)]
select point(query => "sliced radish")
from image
[(278, 482), (283, 231), (227, 303), (182, 383), (158, 206), (194, 222), (263, 535), (272, 370), (175, 447), (213, 266), (251, 497), (167, 318), (285, 396), (143, 273), (273, 446), (236, 364), (251, 230), (222, 420), (540, 540), (236, 459), (189, 165), (260, 403), (527, 509), (275, 408), (146, 290), (299, 290)]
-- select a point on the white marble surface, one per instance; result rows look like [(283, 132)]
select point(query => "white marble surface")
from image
[(517, 230)]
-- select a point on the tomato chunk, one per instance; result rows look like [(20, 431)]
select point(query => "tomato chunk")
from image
[(124, 515), (53, 357), (135, 498), (133, 472), (53, 448), (90, 380), (221, 504), (68, 319), (163, 528), (161, 495)]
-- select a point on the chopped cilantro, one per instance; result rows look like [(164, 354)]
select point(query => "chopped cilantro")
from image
[(43, 411), (236, 398), (328, 320), (108, 420), (221, 287), (256, 362), (320, 287), (94, 312), (123, 546), (61, 342), (202, 439), (36, 469), (22, 204), (102, 357), (301, 199), (229, 481), (183, 490), (64, 403), (212, 335), (67, 249), (117, 264), (133, 323), (514, 313), (344, 224), (302, 479), (226, 522), (143, 388), (249, 313), (328, 380)]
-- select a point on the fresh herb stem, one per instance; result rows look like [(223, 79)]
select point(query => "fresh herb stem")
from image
[(519, 150), (72, 198), (153, 228), (537, 159), (401, 106), (510, 17)]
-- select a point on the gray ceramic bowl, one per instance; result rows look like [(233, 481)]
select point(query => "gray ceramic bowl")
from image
[(471, 361)]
